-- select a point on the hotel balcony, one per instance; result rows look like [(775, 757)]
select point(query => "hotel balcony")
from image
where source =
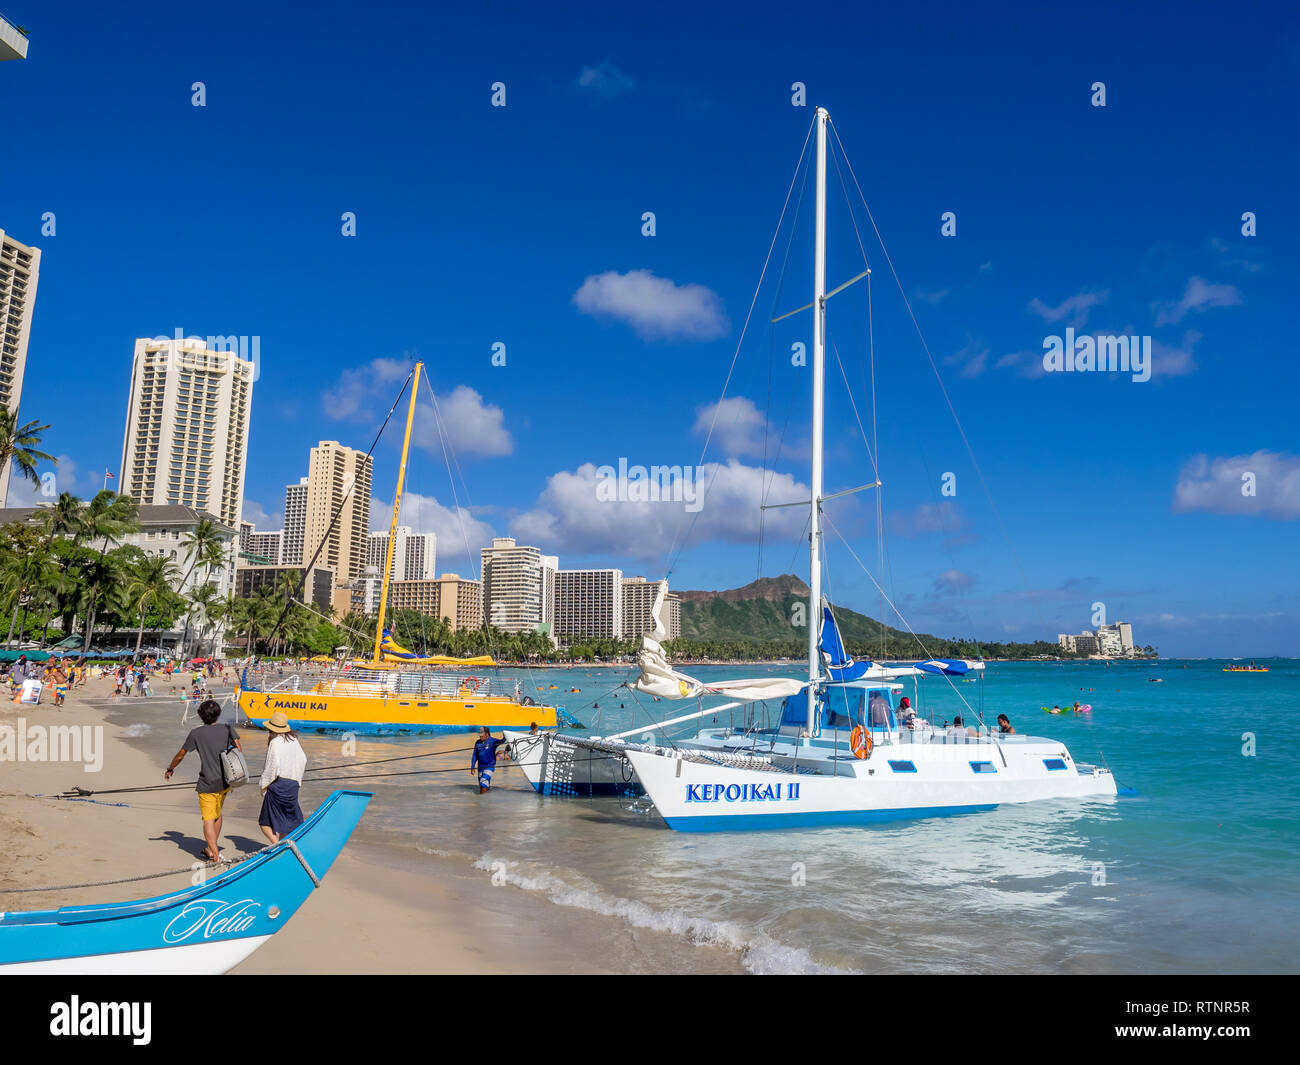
[(13, 41)]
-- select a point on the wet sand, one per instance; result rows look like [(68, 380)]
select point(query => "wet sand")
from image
[(382, 908)]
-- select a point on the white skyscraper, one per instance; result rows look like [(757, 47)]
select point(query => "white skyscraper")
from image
[(638, 606), (186, 440), (589, 604), (518, 586), (415, 555), (13, 41), (19, 271), (295, 523)]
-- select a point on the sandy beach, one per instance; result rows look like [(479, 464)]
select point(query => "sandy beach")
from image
[(382, 908)]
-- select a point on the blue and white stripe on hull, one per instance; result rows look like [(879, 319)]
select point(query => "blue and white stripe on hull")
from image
[(695, 791), (187, 960), (206, 929), (816, 819)]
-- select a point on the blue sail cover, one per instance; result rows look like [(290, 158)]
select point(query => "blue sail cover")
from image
[(840, 666), (948, 667)]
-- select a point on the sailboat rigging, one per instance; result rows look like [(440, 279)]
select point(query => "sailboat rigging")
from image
[(844, 750), (397, 691)]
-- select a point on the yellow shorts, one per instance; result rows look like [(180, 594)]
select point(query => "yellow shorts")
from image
[(210, 803)]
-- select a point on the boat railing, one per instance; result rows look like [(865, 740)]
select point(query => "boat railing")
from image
[(401, 682), (948, 735)]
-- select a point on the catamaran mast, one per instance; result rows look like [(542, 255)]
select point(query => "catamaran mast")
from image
[(397, 509), (818, 426)]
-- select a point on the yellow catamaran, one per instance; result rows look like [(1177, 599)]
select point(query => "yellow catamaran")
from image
[(398, 691)]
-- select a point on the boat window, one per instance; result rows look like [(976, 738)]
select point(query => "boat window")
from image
[(1054, 763), (881, 714), (902, 767), (842, 709), (983, 767)]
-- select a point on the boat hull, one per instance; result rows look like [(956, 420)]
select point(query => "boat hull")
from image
[(696, 796), (205, 929), (391, 714), (554, 767)]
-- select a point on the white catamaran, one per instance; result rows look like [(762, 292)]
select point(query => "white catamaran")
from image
[(843, 751)]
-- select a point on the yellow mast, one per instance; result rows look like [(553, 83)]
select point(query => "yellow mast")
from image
[(397, 507)]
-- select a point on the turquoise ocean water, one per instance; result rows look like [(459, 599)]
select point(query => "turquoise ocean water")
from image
[(1200, 872)]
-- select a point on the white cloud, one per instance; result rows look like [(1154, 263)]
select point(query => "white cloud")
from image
[(356, 396), (953, 580), (571, 518), (930, 297), (23, 493), (928, 518), (737, 424), (1075, 309), (655, 307), (1219, 486), (1170, 361), (1025, 363), (605, 79), (1198, 296), (472, 427), (454, 527), (261, 520), (971, 360)]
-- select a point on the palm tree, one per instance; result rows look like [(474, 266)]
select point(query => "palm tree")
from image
[(59, 588), (109, 517), (25, 568), (154, 581), (203, 544), (204, 600), (66, 519), (18, 446)]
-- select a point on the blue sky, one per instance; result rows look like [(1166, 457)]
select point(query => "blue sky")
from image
[(522, 225)]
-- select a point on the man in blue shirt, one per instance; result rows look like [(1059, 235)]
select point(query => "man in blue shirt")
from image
[(484, 759)]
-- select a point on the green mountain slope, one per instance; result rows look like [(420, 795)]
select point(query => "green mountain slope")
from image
[(772, 612)]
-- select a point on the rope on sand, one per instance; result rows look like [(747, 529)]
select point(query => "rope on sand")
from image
[(224, 864)]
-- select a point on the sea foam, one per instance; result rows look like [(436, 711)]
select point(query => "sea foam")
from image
[(759, 953)]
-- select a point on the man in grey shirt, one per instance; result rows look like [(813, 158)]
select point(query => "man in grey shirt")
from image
[(211, 741)]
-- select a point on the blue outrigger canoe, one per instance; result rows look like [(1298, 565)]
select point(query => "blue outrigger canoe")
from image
[(201, 930)]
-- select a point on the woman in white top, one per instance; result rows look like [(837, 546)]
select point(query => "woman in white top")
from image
[(285, 763)]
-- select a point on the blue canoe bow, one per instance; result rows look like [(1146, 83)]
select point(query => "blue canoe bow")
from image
[(206, 929)]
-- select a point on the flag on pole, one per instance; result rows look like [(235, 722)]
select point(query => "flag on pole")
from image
[(110, 476)]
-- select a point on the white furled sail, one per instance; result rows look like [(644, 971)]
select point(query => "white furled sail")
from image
[(658, 677)]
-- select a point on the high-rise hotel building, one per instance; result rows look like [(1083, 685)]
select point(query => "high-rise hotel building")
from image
[(295, 523), (19, 271), (588, 604), (638, 606), (186, 441), (338, 482), (415, 555), (518, 587)]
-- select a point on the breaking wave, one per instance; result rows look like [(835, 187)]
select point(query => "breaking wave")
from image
[(759, 953)]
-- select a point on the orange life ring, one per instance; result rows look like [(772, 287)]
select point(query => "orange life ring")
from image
[(860, 741)]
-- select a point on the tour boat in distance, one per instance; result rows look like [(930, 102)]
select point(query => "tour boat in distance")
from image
[(203, 930), (841, 751), (397, 691), (1252, 668)]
